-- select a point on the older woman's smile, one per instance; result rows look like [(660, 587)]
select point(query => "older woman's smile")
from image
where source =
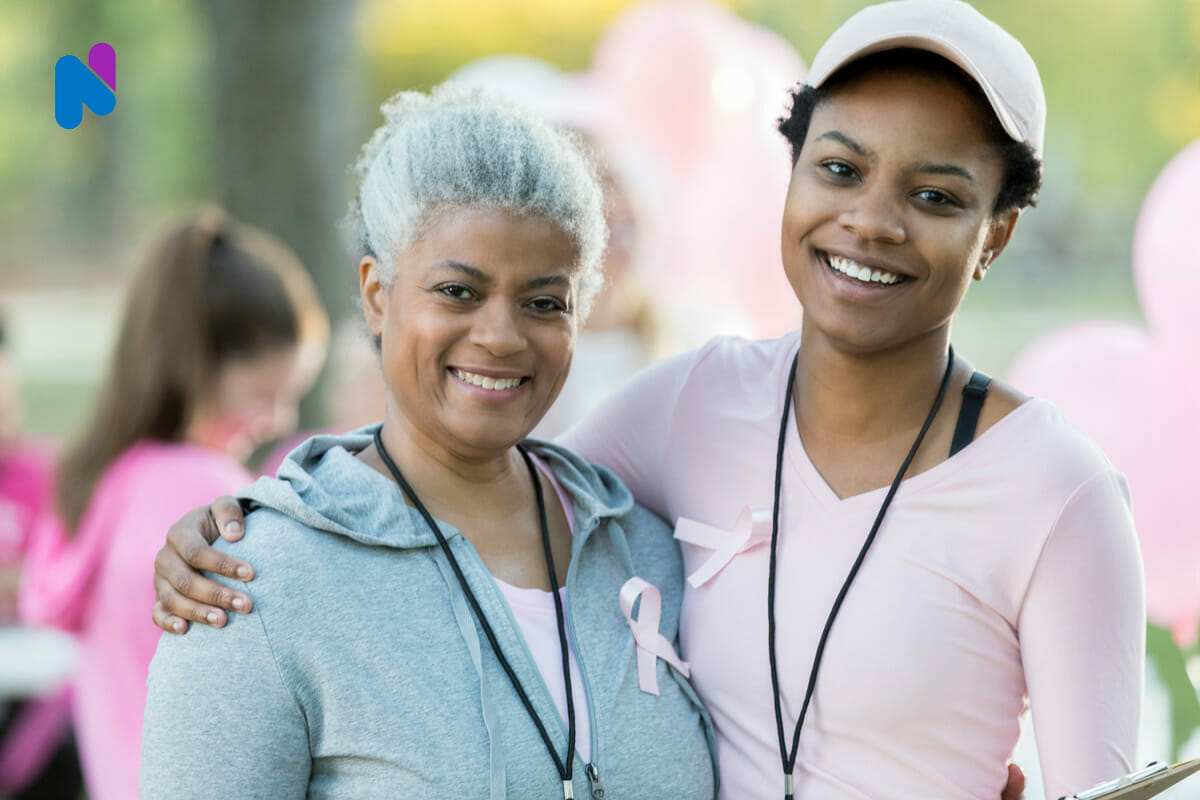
[(494, 384)]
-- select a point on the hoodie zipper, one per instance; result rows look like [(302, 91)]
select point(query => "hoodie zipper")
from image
[(593, 776), (592, 769)]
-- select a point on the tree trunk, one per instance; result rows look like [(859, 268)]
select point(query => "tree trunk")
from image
[(286, 82)]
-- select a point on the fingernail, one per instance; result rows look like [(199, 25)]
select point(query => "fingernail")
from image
[(243, 573), (177, 625), (238, 603), (233, 526), (212, 617)]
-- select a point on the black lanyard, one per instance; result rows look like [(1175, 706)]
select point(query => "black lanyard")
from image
[(787, 756), (564, 770)]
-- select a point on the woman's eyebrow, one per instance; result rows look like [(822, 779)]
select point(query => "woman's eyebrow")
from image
[(557, 279), (838, 136), (944, 169), (465, 269)]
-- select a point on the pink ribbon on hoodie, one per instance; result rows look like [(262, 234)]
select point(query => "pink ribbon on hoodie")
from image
[(752, 528), (651, 645)]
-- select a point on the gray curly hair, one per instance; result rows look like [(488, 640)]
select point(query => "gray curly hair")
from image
[(464, 149)]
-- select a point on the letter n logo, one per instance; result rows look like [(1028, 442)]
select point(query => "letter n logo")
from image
[(76, 86)]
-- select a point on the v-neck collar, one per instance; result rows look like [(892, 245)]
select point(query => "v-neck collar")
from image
[(797, 461)]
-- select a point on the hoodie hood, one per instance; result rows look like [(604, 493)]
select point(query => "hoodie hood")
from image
[(323, 485)]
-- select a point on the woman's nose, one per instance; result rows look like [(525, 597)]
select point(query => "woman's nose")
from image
[(874, 216), (496, 328)]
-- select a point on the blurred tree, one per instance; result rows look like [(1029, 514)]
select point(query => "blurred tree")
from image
[(285, 79)]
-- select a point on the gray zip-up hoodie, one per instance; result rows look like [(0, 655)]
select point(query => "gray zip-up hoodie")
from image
[(362, 672)]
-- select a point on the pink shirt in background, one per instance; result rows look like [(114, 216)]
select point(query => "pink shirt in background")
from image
[(26, 473), (1008, 573), (88, 584)]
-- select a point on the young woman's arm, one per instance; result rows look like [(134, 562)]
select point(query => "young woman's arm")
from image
[(1083, 640), (628, 432), (220, 722)]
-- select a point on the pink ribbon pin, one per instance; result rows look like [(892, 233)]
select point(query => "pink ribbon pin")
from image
[(753, 527), (651, 645)]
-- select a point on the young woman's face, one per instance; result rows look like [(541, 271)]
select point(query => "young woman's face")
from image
[(478, 327), (254, 400), (889, 211)]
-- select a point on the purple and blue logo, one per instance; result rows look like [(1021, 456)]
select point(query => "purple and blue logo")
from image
[(76, 85)]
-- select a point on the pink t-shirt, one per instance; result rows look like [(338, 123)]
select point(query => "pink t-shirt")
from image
[(88, 584), (534, 612), (26, 470), (1005, 575)]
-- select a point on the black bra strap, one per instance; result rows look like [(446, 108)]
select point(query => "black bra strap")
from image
[(968, 416)]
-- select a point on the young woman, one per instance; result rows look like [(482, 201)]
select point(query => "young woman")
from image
[(887, 558), (481, 230), (205, 368)]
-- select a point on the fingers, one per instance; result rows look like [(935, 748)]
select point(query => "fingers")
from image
[(168, 621), (188, 541), (227, 516), (1015, 788), (177, 574), (174, 607)]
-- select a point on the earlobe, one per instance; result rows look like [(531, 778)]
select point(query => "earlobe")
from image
[(999, 234)]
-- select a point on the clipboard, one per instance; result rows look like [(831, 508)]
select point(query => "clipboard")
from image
[(1141, 785)]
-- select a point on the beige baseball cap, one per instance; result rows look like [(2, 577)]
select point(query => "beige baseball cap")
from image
[(957, 32)]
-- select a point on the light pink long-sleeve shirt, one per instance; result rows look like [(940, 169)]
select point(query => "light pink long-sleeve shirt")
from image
[(1008, 574), (99, 583)]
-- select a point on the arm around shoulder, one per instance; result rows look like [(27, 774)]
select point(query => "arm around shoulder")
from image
[(220, 720)]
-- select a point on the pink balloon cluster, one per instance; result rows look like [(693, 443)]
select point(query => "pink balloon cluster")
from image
[(699, 89), (1136, 390)]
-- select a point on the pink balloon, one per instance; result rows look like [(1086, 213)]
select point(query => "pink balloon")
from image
[(1166, 248), (1136, 391), (699, 89)]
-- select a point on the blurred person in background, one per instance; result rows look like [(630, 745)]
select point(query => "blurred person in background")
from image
[(25, 482), (352, 363), (37, 751), (215, 349)]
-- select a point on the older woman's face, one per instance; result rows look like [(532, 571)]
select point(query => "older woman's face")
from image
[(889, 212), (478, 327)]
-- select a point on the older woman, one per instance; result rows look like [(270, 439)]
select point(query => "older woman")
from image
[(475, 675), (889, 555)]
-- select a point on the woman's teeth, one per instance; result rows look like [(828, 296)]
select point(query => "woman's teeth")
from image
[(859, 272), (483, 381)]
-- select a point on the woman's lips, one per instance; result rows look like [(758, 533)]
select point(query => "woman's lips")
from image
[(489, 383), (862, 274)]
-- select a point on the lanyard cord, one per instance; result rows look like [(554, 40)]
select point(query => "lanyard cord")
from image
[(564, 771), (789, 756)]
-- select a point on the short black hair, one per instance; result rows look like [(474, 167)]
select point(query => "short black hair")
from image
[(1022, 168)]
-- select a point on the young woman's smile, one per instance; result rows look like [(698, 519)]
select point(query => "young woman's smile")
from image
[(889, 212), (477, 327)]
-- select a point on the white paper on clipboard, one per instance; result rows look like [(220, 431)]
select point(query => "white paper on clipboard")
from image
[(1142, 784)]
